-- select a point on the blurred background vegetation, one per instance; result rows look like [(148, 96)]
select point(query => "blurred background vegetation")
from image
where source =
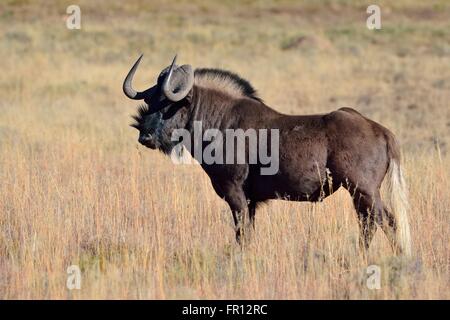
[(78, 189)]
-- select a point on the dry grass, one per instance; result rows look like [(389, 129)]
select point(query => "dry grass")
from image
[(77, 189)]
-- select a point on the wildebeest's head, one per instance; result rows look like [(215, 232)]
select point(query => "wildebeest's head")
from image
[(165, 104)]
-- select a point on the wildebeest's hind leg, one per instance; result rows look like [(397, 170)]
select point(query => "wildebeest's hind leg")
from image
[(386, 220), (367, 209), (388, 224)]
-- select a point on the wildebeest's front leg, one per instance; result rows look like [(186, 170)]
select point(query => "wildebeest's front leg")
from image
[(239, 223), (243, 215), (244, 221), (251, 213)]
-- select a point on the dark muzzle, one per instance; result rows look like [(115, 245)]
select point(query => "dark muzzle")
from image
[(147, 140)]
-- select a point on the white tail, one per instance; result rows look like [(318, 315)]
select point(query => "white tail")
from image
[(398, 201)]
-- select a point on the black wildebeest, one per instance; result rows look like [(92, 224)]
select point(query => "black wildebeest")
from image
[(317, 153)]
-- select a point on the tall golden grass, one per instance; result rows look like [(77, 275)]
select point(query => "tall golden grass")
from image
[(77, 189)]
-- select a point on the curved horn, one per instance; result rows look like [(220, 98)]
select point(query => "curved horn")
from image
[(127, 86), (184, 81)]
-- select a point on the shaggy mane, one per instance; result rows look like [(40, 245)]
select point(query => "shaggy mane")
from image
[(227, 81), (216, 79), (142, 111)]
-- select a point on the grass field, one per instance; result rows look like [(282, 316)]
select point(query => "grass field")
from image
[(77, 188)]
